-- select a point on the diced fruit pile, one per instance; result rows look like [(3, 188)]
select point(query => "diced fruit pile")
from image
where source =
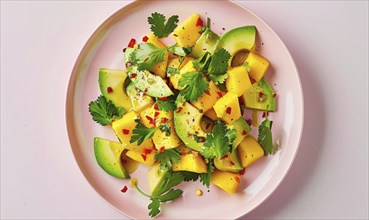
[(179, 108)]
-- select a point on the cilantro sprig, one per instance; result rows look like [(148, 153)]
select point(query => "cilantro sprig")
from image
[(194, 85), (205, 178), (147, 56), (167, 158), (159, 26), (164, 193), (103, 111), (142, 133), (166, 105), (265, 138), (218, 142)]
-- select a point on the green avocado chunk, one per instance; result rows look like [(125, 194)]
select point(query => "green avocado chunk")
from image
[(111, 83), (260, 96), (237, 39), (229, 162), (149, 83), (242, 129), (108, 156), (187, 125), (205, 43)]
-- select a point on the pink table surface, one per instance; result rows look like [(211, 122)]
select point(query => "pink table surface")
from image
[(40, 41)]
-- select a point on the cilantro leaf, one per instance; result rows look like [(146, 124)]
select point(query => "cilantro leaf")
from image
[(147, 56), (218, 79), (195, 85), (166, 105), (172, 194), (218, 142), (165, 128), (265, 136), (180, 51), (189, 176), (205, 178), (103, 111), (202, 63), (219, 62), (141, 133), (167, 158), (154, 207), (158, 25), (172, 71)]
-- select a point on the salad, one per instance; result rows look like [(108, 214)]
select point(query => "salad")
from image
[(179, 108)]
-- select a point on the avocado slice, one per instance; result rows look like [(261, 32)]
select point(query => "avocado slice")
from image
[(108, 156), (230, 162), (111, 83), (156, 176), (206, 43), (138, 98), (237, 39), (260, 96), (187, 125), (242, 129), (151, 84)]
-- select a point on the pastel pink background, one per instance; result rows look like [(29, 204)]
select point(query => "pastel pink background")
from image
[(40, 42)]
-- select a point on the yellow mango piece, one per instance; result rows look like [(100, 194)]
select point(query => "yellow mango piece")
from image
[(249, 151), (258, 65), (238, 80), (211, 114), (227, 181), (183, 150), (160, 68), (123, 128), (129, 164), (228, 108), (161, 139), (188, 67), (186, 34), (142, 156), (138, 98), (191, 162), (178, 62), (209, 98)]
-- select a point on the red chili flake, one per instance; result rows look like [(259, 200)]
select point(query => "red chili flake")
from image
[(143, 156), (109, 89), (162, 149), (125, 131), (244, 132), (147, 151), (265, 114), (132, 43), (125, 188), (133, 75), (164, 120), (148, 118), (207, 91), (229, 110), (274, 94), (175, 35), (261, 94), (224, 157), (207, 126), (145, 91), (249, 121), (156, 114), (170, 84), (199, 22), (252, 80), (145, 38), (124, 161), (124, 49), (163, 98), (242, 171), (231, 162), (179, 109), (156, 107), (237, 179), (220, 94)]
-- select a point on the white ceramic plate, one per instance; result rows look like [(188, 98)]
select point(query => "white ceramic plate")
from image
[(104, 49)]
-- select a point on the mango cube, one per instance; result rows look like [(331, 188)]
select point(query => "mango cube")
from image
[(186, 34), (227, 181), (238, 80), (228, 108), (211, 114), (209, 98), (123, 128), (188, 67), (160, 68), (161, 139), (192, 163), (144, 156), (249, 151), (258, 65)]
